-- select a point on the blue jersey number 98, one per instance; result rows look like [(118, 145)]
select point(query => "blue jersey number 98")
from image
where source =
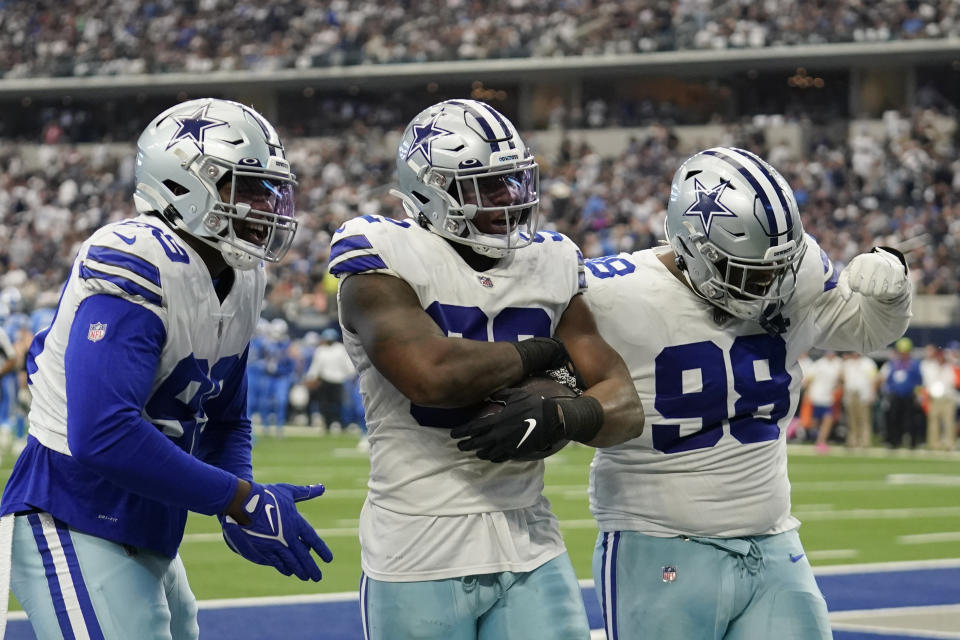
[(760, 380)]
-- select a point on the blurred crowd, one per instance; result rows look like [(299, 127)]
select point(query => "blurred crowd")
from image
[(893, 183), (907, 399), (107, 37)]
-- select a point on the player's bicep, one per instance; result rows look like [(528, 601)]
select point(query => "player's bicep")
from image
[(606, 375), (594, 358), (385, 313)]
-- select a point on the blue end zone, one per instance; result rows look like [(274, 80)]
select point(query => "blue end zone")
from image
[(912, 588)]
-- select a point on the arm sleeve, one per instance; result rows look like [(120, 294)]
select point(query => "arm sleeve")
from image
[(109, 381), (227, 439), (860, 323)]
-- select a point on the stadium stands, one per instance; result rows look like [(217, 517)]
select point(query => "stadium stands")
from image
[(107, 37)]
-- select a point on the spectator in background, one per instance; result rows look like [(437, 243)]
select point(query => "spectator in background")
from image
[(278, 368), (859, 380), (939, 388), (822, 382), (901, 382), (330, 369), (11, 362)]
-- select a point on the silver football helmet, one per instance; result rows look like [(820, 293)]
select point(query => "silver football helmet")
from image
[(733, 223), (216, 170), (462, 165)]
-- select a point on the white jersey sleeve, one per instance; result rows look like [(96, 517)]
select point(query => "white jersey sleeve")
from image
[(862, 324), (717, 397)]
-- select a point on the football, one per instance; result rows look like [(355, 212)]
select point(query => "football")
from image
[(546, 387)]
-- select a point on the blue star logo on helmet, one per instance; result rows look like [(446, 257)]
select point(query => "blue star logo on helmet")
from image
[(707, 204), (423, 137), (194, 127)]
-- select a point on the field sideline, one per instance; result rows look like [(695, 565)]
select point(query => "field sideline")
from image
[(873, 507)]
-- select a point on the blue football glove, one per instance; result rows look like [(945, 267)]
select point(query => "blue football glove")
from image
[(278, 536)]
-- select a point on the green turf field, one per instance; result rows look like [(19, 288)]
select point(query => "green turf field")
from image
[(876, 507)]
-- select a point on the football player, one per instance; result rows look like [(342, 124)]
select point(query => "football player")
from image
[(696, 537), (139, 394), (440, 311)]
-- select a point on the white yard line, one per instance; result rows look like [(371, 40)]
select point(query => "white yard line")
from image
[(832, 554), (925, 479), (923, 538)]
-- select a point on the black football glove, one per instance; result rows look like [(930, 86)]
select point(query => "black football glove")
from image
[(526, 424)]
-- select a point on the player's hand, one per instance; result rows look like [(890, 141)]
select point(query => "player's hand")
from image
[(527, 423), (277, 535), (880, 274)]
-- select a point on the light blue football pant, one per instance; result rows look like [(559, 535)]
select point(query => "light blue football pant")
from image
[(543, 604), (707, 588), (73, 585)]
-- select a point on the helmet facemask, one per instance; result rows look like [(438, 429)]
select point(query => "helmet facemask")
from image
[(253, 219), (749, 289), (492, 210)]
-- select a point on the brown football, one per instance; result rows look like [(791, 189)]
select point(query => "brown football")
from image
[(546, 387)]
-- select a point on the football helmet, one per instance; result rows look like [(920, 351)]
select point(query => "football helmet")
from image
[(462, 165), (216, 169), (733, 224)]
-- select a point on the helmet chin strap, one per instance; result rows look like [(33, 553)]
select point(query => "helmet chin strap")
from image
[(236, 258), (488, 252)]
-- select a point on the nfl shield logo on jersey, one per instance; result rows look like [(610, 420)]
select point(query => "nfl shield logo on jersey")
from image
[(486, 281), (96, 331), (669, 574)]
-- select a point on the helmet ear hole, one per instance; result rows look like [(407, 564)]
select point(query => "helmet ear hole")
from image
[(175, 188)]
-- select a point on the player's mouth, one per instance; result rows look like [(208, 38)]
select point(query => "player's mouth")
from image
[(252, 231), (501, 224)]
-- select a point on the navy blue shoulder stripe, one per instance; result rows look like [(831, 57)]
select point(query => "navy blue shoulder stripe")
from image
[(830, 270), (125, 284), (124, 260), (360, 264), (349, 243)]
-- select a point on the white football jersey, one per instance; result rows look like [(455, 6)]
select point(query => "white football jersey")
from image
[(717, 399), (416, 468), (142, 261)]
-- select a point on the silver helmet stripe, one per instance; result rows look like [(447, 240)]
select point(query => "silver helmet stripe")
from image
[(764, 185)]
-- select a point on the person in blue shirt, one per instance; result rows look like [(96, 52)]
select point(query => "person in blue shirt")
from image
[(139, 395), (901, 381)]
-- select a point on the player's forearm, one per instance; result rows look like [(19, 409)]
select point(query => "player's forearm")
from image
[(861, 323), (227, 447), (623, 417), (454, 372), (134, 455)]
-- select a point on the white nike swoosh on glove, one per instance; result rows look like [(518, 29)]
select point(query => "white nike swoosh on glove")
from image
[(531, 425), (269, 514)]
